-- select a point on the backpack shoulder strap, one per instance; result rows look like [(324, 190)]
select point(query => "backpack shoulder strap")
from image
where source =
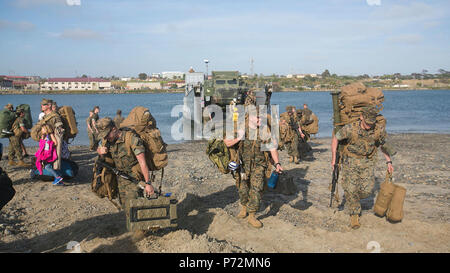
[(128, 136)]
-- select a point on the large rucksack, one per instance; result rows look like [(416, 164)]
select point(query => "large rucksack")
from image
[(104, 183), (354, 97), (142, 122), (7, 118), (67, 115), (219, 154), (313, 126), (36, 130), (69, 122)]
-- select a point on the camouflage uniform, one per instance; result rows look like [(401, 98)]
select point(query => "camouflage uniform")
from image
[(93, 143), (93, 138), (293, 148), (305, 116), (53, 120), (254, 164), (125, 162), (15, 149), (358, 163), (250, 99)]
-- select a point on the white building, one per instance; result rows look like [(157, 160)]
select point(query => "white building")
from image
[(301, 76), (172, 75), (76, 84), (143, 85)]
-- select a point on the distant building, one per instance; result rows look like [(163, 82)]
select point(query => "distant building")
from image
[(19, 82), (5, 83), (143, 85), (76, 84), (125, 79), (173, 75), (301, 76), (400, 86)]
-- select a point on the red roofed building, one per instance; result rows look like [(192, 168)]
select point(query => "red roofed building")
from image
[(76, 84), (20, 82)]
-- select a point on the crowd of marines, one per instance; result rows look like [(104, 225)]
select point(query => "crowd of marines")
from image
[(357, 163)]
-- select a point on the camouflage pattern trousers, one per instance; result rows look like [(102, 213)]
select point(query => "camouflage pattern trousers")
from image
[(293, 146), (14, 150), (93, 141), (358, 180), (127, 191), (251, 190)]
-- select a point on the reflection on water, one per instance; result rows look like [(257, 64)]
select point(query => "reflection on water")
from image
[(406, 111)]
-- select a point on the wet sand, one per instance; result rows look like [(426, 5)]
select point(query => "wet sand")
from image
[(45, 218)]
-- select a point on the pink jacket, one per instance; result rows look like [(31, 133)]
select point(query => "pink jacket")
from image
[(45, 155)]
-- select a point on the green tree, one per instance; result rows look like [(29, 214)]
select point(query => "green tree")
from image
[(142, 76), (326, 74)]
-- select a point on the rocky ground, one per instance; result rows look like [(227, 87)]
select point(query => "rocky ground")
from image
[(296, 216)]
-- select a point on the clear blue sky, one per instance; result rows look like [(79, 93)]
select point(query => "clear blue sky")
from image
[(65, 38)]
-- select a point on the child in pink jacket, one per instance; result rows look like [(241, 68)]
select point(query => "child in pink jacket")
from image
[(46, 154)]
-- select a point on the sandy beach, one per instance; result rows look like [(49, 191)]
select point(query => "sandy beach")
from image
[(296, 218)]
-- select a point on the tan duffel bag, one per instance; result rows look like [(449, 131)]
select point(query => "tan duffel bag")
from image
[(384, 197), (395, 210)]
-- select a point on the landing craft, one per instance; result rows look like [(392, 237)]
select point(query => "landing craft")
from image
[(223, 88)]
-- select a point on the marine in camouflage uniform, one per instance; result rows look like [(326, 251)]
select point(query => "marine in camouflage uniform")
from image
[(293, 147), (303, 118), (359, 159), (118, 145), (250, 99), (54, 121), (93, 144), (254, 163), (94, 139), (15, 141)]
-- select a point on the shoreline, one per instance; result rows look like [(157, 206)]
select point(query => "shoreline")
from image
[(187, 142), (98, 92)]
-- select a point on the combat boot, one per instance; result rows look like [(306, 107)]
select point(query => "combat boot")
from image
[(354, 221), (21, 163), (12, 163), (243, 213), (291, 159), (296, 160), (253, 221)]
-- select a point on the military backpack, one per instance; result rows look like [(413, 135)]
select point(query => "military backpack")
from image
[(219, 154), (142, 122), (69, 121), (7, 118)]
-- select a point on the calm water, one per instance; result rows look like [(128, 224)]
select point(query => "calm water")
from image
[(405, 111)]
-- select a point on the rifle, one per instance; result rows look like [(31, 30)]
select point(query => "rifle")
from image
[(294, 126), (334, 178), (129, 178), (336, 122)]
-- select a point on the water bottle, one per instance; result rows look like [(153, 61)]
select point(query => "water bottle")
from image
[(272, 183)]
